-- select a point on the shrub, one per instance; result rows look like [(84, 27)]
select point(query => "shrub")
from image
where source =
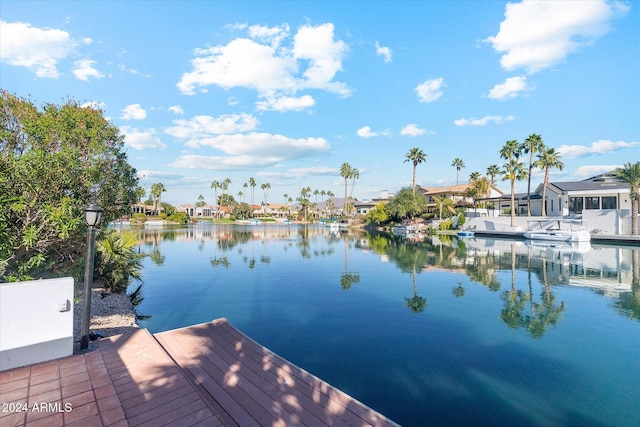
[(117, 263), (446, 224)]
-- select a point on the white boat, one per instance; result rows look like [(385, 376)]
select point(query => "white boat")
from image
[(154, 223), (404, 230), (558, 230)]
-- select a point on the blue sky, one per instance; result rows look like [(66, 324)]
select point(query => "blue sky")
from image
[(285, 92)]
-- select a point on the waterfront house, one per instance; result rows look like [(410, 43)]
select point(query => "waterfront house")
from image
[(457, 193), (599, 193)]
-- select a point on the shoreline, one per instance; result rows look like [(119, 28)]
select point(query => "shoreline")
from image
[(111, 314)]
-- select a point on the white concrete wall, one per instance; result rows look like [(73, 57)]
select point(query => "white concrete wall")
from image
[(36, 321), (609, 221)]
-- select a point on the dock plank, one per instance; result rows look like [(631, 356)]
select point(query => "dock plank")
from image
[(269, 388)]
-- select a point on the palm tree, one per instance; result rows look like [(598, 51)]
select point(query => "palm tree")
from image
[(215, 185), (355, 174), (513, 171), (492, 171), (473, 176), (252, 183), (416, 156), (478, 188), (510, 151), (265, 187), (458, 164), (547, 158), (245, 186), (444, 204), (156, 192), (530, 145), (225, 185), (323, 193), (630, 174), (345, 172)]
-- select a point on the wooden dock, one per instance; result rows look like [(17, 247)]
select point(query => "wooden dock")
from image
[(209, 374)]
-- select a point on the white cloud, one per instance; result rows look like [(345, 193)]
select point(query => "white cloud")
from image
[(366, 132), (430, 90), (593, 170), (263, 145), (599, 147), (205, 126), (133, 112), (176, 109), (84, 68), (286, 103), (538, 34), (299, 173), (270, 35), (150, 175), (412, 130), (511, 88), (38, 49), (124, 68), (259, 62), (141, 139), (383, 51), (483, 121)]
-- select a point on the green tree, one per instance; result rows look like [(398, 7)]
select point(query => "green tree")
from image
[(241, 210), (473, 176), (140, 193), (547, 158), (345, 172), (415, 156), (378, 214), (512, 170), (630, 174), (492, 171), (405, 205), (444, 205), (458, 164), (53, 162), (226, 200), (304, 201), (225, 185), (265, 187), (200, 201), (156, 192), (215, 185), (531, 145), (355, 175), (252, 184), (117, 262)]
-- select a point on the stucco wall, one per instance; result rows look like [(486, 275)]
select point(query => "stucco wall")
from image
[(36, 321)]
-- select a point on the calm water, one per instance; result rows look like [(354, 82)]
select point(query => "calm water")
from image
[(469, 332)]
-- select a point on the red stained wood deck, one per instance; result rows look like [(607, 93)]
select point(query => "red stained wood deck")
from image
[(209, 374)]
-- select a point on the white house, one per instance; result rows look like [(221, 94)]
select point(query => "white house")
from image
[(601, 192)]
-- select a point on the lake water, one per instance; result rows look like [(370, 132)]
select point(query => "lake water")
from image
[(440, 332)]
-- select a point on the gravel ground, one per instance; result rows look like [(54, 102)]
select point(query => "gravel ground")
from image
[(111, 314)]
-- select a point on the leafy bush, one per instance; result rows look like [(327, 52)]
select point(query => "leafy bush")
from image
[(446, 224), (117, 262), (179, 217), (461, 220)]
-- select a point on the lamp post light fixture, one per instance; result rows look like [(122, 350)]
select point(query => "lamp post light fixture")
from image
[(92, 214)]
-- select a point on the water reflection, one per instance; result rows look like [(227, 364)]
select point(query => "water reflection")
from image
[(608, 270)]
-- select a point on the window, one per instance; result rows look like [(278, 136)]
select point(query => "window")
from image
[(592, 202), (575, 205), (610, 202)]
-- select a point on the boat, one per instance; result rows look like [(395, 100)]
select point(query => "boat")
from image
[(154, 223), (466, 233), (558, 230), (404, 230)]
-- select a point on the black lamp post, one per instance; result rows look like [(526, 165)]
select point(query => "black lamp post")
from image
[(92, 215)]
